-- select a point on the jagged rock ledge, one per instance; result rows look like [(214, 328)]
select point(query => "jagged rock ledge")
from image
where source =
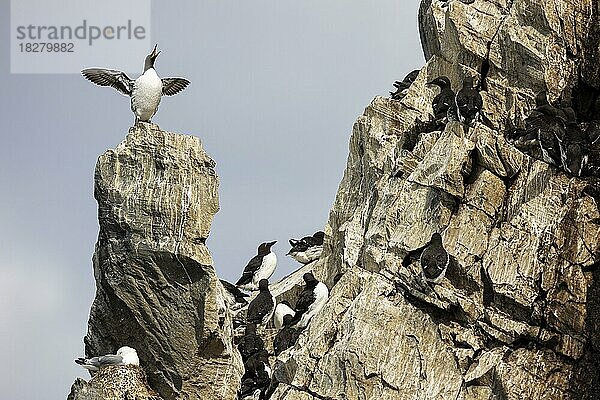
[(157, 290)]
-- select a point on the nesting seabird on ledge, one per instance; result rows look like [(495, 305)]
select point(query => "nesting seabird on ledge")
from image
[(307, 249), (434, 259), (125, 356), (259, 267), (311, 301), (281, 310), (145, 92), (260, 310)]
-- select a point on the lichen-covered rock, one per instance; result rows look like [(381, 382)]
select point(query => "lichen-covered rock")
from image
[(115, 382), (516, 315), (156, 288)]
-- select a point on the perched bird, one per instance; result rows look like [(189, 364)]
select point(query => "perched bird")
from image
[(281, 310), (257, 376), (259, 267), (468, 102), (311, 301), (402, 86), (145, 92), (125, 356), (250, 343), (261, 308), (286, 337), (307, 249), (445, 100), (434, 260), (237, 297)]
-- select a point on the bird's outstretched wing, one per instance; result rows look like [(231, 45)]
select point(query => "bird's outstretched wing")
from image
[(109, 77), (172, 86)]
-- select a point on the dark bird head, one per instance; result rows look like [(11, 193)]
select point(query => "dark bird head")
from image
[(441, 81), (541, 99), (263, 285), (310, 279), (265, 248), (410, 78), (250, 328), (436, 238), (150, 58), (468, 82), (287, 319), (319, 235)]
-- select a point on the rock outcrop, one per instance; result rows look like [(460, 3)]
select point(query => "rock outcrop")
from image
[(516, 315), (156, 288), (115, 382)]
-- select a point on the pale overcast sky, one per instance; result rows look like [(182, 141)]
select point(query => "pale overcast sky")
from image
[(276, 87)]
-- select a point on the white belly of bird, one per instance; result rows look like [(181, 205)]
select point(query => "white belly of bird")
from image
[(146, 95), (266, 269), (311, 254), (280, 311), (321, 296)]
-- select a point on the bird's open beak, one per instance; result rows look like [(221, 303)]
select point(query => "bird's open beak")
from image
[(154, 52)]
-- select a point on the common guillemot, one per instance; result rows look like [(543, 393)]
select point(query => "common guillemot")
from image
[(281, 310), (145, 92), (468, 103), (311, 301), (445, 100), (259, 267), (434, 260), (260, 309)]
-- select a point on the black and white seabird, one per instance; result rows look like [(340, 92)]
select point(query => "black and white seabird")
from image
[(281, 310), (260, 309), (145, 92), (250, 343), (402, 86), (445, 100), (286, 337), (468, 102), (237, 297), (257, 376), (307, 249), (125, 356), (434, 260), (311, 301), (259, 267)]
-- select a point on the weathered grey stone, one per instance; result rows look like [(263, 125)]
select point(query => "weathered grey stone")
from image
[(123, 382), (156, 288), (516, 315)]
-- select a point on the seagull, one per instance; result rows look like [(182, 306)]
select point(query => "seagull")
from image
[(125, 356), (311, 300), (281, 310), (145, 92), (259, 267), (261, 308)]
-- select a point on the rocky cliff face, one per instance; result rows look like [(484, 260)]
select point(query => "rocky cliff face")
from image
[(516, 315), (156, 288)]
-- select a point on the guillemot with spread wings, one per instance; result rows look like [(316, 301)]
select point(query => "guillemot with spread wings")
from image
[(145, 92)]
